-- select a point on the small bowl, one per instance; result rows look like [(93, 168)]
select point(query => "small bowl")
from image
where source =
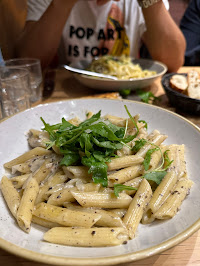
[(117, 85), (179, 100)]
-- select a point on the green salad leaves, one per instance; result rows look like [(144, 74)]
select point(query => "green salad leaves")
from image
[(92, 143)]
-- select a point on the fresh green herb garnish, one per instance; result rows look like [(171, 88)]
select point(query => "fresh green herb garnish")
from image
[(156, 176), (167, 160), (146, 96), (138, 145), (119, 188), (132, 119), (93, 143), (143, 121), (125, 92), (147, 158)]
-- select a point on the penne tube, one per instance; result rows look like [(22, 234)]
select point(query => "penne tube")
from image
[(57, 178), (19, 180), (23, 168), (27, 156), (87, 237), (24, 214), (64, 216), (102, 200), (61, 196), (80, 172), (89, 187), (125, 174), (37, 138), (119, 212), (11, 195), (122, 162), (175, 199), (44, 223), (135, 182), (156, 139), (137, 207), (121, 122), (163, 190), (46, 169), (156, 158), (108, 219)]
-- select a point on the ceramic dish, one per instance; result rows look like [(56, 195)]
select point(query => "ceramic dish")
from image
[(179, 100), (151, 239), (117, 85)]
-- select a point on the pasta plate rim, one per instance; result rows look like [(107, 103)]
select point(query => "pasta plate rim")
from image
[(133, 256)]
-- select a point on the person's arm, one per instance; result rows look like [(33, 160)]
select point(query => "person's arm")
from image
[(40, 39), (163, 38)]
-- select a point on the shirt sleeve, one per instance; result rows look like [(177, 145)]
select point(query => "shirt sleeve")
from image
[(36, 8)]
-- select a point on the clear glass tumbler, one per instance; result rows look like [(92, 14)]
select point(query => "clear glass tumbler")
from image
[(14, 90), (35, 72)]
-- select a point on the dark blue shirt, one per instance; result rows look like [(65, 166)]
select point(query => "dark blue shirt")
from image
[(190, 26)]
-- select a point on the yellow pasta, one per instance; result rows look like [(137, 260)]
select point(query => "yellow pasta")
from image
[(97, 191), (25, 211), (121, 67), (87, 237)]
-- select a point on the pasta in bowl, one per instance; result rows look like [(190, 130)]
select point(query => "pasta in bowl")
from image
[(131, 73), (148, 239)]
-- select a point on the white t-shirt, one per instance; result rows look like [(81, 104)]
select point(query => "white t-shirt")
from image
[(114, 28)]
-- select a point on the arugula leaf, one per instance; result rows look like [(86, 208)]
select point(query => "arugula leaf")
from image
[(143, 121), (132, 119), (85, 143), (157, 177), (146, 96), (95, 139), (97, 169), (70, 158), (167, 160), (91, 120), (138, 145), (119, 188), (147, 158)]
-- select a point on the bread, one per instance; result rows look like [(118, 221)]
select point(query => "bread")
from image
[(193, 84), (179, 83)]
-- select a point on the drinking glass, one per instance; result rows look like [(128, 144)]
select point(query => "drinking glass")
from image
[(14, 90), (35, 73)]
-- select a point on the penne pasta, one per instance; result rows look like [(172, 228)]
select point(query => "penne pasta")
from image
[(25, 211), (11, 195), (65, 216), (137, 207), (87, 237), (102, 200), (123, 162), (175, 199), (38, 151)]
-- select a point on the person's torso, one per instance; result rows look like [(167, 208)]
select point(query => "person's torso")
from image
[(114, 28)]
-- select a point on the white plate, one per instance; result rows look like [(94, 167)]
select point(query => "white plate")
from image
[(151, 239), (117, 85)]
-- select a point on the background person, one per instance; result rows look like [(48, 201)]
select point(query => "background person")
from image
[(190, 26), (84, 29)]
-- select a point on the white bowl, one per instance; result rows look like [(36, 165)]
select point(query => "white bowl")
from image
[(117, 85), (151, 239)]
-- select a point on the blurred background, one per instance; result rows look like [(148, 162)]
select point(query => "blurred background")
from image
[(13, 17)]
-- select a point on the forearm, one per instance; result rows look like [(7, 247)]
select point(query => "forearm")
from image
[(41, 39), (163, 38)]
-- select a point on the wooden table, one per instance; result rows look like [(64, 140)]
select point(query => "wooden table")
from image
[(187, 252)]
